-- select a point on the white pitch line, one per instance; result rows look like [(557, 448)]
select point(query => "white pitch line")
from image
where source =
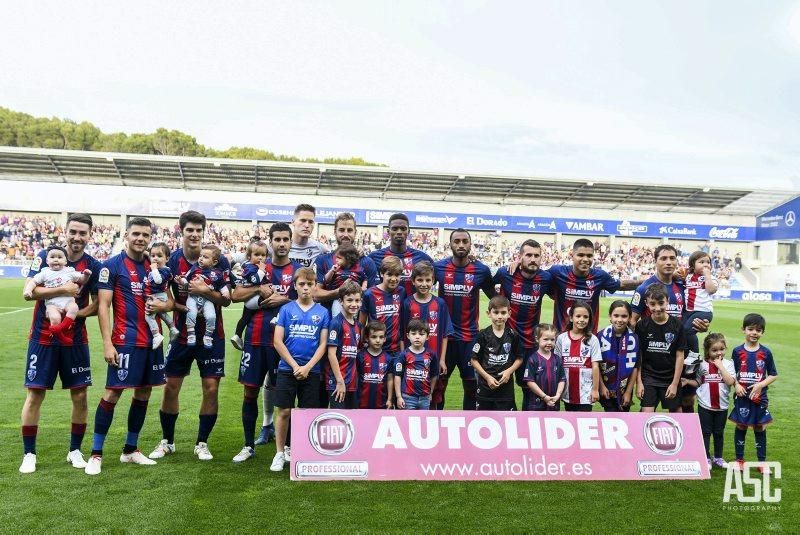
[(15, 311)]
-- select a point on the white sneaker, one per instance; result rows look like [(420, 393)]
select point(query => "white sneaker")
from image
[(28, 465), (75, 457), (237, 342), (136, 457), (163, 449), (158, 340), (173, 333), (191, 339), (287, 452), (246, 453), (201, 450), (94, 465), (277, 462)]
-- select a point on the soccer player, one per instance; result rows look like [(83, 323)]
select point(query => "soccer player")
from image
[(666, 260), (210, 362), (344, 230), (128, 343), (259, 364), (663, 343), (755, 371), (374, 365), (305, 249), (579, 351), (582, 282), (619, 347), (384, 302), (496, 355), (461, 281), (344, 339), (47, 358), (415, 370), (408, 256), (301, 335)]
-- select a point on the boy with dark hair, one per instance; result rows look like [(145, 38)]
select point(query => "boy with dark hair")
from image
[(384, 301), (496, 355), (398, 248), (663, 344), (416, 370), (344, 339), (375, 383)]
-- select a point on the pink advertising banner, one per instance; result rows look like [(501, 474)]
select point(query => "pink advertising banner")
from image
[(467, 445)]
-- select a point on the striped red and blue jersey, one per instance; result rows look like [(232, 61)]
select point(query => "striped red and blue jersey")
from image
[(386, 308), (753, 367), (153, 287), (126, 279), (345, 337), (461, 287), (676, 304), (179, 265), (363, 270), (249, 276), (259, 332), (567, 287), (408, 258), (620, 353), (435, 314), (416, 372), (546, 373), (525, 295), (40, 325), (374, 376)]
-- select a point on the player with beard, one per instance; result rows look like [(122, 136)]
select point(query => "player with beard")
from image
[(398, 246), (461, 280), (305, 249)]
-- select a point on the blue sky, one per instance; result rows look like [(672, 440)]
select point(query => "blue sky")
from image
[(667, 92)]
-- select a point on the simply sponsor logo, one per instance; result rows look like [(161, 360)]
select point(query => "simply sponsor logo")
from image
[(726, 233), (378, 216)]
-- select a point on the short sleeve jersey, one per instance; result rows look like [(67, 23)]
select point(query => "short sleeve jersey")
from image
[(577, 357), (712, 392), (567, 287), (435, 314), (374, 373), (306, 254), (408, 258), (461, 287), (40, 325), (659, 347), (753, 366), (126, 278), (496, 355), (525, 295), (675, 297), (416, 372), (386, 308), (154, 287), (363, 270), (260, 329), (697, 297), (302, 331), (546, 373), (345, 337), (620, 353)]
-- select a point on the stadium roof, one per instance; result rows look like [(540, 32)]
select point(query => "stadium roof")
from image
[(375, 182)]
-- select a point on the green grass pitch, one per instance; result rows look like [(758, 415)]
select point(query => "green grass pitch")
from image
[(184, 494)]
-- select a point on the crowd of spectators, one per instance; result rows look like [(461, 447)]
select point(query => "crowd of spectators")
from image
[(22, 237)]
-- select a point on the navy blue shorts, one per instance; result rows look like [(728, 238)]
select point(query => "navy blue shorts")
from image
[(256, 362), (749, 413), (138, 367), (459, 354), (210, 362), (43, 363)]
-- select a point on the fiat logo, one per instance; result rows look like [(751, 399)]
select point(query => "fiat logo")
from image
[(331, 433), (663, 435)]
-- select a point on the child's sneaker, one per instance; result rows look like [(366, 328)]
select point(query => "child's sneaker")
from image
[(158, 339), (763, 468), (236, 341), (710, 464), (720, 462), (739, 465), (173, 333), (278, 462), (191, 340), (208, 342)]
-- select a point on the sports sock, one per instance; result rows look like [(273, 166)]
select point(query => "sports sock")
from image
[(207, 422), (761, 444), (76, 436), (102, 421), (29, 438), (470, 387), (738, 441), (168, 425), (136, 416), (249, 415)]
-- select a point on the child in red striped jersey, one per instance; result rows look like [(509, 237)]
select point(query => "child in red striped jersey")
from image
[(700, 286), (579, 351), (713, 379)]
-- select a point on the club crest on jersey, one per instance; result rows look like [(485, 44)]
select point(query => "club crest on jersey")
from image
[(536, 288), (103, 277), (316, 318), (122, 374), (469, 277), (396, 297), (669, 337), (408, 262), (426, 362), (286, 277), (678, 297), (31, 374), (432, 314), (382, 366), (590, 283), (760, 364), (506, 347)]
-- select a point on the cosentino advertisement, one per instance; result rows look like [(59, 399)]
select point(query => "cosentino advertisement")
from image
[(468, 445)]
